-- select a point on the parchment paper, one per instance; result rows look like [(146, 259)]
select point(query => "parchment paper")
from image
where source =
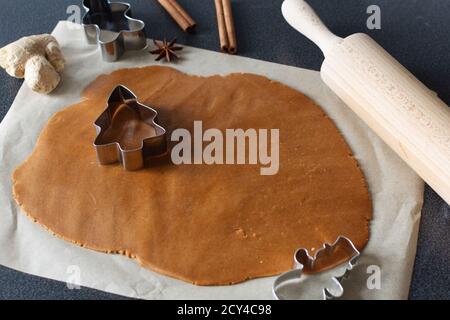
[(25, 246)]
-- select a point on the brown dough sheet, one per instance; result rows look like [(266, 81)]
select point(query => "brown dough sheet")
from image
[(209, 225)]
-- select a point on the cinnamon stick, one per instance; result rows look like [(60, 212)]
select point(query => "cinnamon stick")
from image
[(225, 23), (181, 17)]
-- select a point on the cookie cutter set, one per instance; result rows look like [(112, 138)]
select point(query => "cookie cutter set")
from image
[(110, 25), (288, 286), (110, 151)]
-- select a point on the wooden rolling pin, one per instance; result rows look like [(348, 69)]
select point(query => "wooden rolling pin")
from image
[(408, 116)]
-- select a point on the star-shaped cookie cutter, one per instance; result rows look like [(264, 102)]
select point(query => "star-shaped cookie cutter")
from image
[(305, 263), (110, 25), (110, 151)]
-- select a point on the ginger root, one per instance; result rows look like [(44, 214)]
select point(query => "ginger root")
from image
[(37, 58)]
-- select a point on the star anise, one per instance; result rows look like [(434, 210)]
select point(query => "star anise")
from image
[(166, 50)]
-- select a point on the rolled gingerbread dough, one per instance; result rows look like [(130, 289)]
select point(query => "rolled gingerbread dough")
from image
[(205, 224)]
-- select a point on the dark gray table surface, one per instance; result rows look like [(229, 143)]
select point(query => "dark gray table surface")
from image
[(416, 32)]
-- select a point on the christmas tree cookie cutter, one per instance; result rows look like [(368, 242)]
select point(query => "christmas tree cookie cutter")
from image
[(110, 25), (299, 284), (108, 145)]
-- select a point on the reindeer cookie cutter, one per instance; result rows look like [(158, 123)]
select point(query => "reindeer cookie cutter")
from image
[(330, 279)]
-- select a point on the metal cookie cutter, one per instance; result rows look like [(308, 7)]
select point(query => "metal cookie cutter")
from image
[(110, 25), (107, 143), (298, 284)]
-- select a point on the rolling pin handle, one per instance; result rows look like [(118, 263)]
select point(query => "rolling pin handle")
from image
[(302, 17)]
